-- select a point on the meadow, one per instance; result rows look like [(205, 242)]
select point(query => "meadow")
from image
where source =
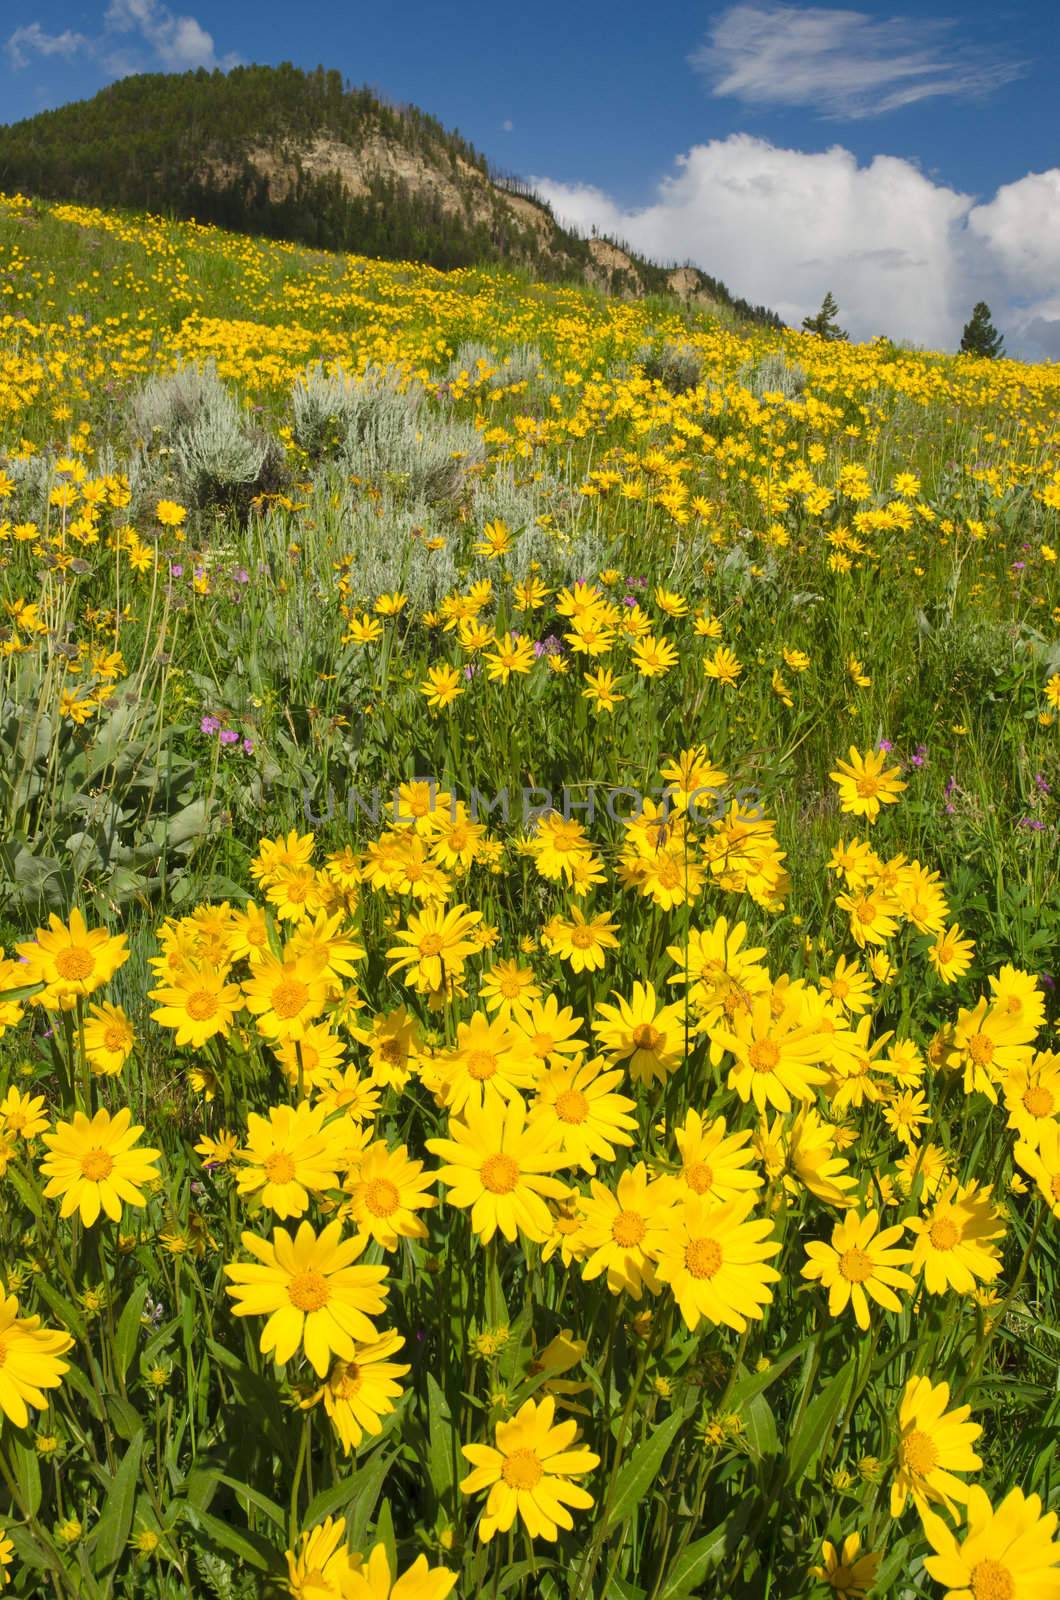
[(529, 904)]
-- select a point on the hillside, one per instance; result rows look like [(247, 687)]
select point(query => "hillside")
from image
[(303, 156)]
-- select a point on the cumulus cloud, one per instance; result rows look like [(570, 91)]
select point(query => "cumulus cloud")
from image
[(903, 255), (178, 43), (156, 36), (27, 42), (841, 63)]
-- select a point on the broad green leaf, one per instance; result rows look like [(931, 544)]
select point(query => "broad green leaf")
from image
[(702, 1556), (817, 1422), (274, 1512), (115, 1524), (249, 1547), (27, 1474), (440, 1454), (641, 1471), (128, 1330)]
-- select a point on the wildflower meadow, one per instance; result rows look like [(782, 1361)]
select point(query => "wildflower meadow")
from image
[(530, 920)]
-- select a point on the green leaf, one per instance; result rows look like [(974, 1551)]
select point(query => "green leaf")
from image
[(440, 1455), (255, 1497), (27, 1474), (701, 1557), (760, 1429), (369, 1482), (129, 1325), (817, 1422), (115, 1525), (757, 1382), (384, 1534), (249, 1547), (641, 1471)]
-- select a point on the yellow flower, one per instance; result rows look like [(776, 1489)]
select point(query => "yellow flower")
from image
[(723, 667), (22, 1116), (359, 1392), (954, 1246), (1006, 1554), (169, 514), (528, 1473), (434, 947), (491, 1064), (285, 996), (375, 1581), (509, 655), (94, 1165), (715, 1259), (499, 1168), (860, 1262), (864, 784), (289, 1153), (1032, 1096), (714, 1162), (582, 940), (615, 1230), (577, 1101), (71, 960), (314, 1296), (198, 1004), (320, 1564), (847, 1571), (648, 1036), (29, 1361), (1042, 1163), (777, 1056), (109, 1039), (386, 1189), (441, 686), (933, 1444)]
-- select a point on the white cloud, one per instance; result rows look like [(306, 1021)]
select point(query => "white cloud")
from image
[(157, 39), (841, 63), (178, 43), (903, 255), (32, 40)]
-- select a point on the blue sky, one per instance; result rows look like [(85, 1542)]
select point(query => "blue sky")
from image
[(903, 140)]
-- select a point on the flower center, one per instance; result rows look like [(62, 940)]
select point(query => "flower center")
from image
[(919, 1453), (981, 1049), (572, 1106), (855, 1265), (345, 1381), (581, 938), (645, 1037), (381, 1197), (868, 787), (499, 1174), (289, 997), (628, 1229), (202, 1005), (944, 1233), (74, 963), (992, 1581), (430, 944), (703, 1257), (840, 988), (114, 1039), (390, 1050), (510, 988), (481, 1064), (308, 1291), (1038, 1101), (763, 1055), (278, 1168), (522, 1470), (97, 1165), (699, 1177), (16, 1121), (946, 954)]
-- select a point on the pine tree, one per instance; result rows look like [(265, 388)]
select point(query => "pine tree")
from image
[(824, 324), (980, 337)]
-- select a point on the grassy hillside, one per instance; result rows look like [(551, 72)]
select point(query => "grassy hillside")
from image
[(562, 796), (303, 156)]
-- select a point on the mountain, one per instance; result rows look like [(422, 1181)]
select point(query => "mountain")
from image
[(304, 156)]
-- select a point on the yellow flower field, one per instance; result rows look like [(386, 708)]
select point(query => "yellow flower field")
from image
[(529, 903)]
